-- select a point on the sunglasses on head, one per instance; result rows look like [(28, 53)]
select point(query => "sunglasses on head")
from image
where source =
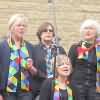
[(47, 30)]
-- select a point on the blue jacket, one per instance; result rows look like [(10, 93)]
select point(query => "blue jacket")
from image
[(4, 63)]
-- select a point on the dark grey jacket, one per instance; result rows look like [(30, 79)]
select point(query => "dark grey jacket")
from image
[(40, 63)]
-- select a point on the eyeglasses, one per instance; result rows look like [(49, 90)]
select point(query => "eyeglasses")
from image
[(47, 30)]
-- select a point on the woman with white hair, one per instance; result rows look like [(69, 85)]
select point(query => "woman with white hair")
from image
[(85, 59), (16, 67)]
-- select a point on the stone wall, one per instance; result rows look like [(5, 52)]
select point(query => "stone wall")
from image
[(66, 15)]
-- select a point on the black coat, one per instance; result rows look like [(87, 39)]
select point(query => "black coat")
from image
[(84, 71), (47, 91)]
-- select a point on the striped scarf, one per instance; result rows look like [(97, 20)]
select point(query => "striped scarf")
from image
[(83, 54), (98, 68), (57, 92), (17, 62), (49, 56), (48, 63)]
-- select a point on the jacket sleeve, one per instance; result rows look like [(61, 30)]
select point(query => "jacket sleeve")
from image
[(72, 54), (45, 91)]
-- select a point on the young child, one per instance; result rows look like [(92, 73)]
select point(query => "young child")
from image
[(59, 88)]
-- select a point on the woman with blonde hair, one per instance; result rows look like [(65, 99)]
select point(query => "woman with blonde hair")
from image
[(59, 87), (16, 62)]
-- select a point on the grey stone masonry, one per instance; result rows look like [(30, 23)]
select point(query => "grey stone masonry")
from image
[(66, 15)]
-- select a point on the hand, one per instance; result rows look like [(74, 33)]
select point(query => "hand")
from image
[(30, 66), (29, 63)]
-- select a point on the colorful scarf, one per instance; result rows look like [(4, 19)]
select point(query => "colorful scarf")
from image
[(83, 51), (57, 94), (98, 68), (17, 59), (83, 54)]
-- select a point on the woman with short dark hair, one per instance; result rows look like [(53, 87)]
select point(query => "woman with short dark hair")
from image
[(43, 53)]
